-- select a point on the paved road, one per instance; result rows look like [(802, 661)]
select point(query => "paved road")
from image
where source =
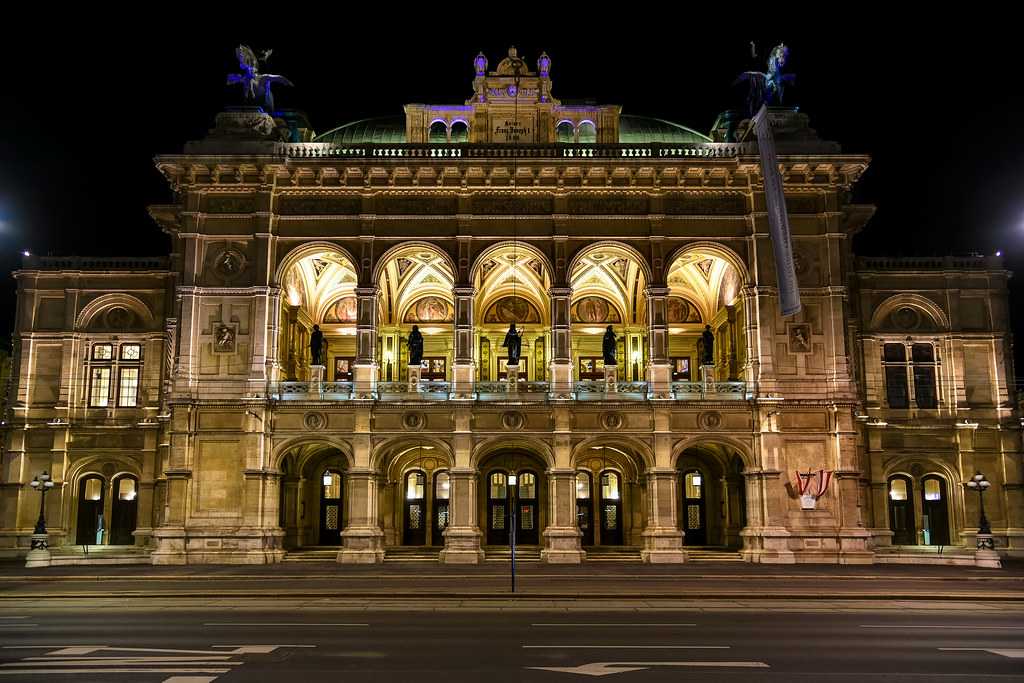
[(190, 643)]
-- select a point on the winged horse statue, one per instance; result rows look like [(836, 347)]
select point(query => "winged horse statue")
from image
[(255, 85)]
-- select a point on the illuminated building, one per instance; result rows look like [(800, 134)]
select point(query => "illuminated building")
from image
[(175, 395)]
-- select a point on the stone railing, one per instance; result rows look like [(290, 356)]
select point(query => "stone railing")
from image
[(716, 391), (327, 150), (590, 390), (96, 263), (976, 262)]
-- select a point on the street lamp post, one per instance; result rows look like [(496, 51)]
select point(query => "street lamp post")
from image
[(39, 553), (980, 484)]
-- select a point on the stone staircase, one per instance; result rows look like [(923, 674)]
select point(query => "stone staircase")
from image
[(406, 553), (503, 554), (67, 555), (613, 553), (712, 554), (315, 553)]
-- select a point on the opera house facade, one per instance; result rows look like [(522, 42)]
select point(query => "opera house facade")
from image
[(174, 402)]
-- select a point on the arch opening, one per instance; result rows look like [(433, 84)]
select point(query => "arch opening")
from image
[(712, 495)]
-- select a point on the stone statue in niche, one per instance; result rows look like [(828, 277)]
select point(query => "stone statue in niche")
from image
[(415, 346), (707, 340), (224, 339), (317, 346), (514, 343), (608, 347)]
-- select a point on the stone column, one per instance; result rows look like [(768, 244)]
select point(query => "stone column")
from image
[(562, 537), (560, 368), (291, 361), (659, 370), (462, 537), (463, 370), (663, 540), (362, 539), (365, 366)]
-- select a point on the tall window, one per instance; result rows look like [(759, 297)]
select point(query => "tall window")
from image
[(899, 370), (114, 374)]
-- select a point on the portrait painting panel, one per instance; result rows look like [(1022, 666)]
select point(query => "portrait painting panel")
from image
[(341, 311), (799, 338), (224, 339), (679, 310), (512, 309), (594, 309), (430, 309)]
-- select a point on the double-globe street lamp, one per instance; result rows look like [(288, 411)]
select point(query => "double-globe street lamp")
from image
[(980, 484), (39, 553)]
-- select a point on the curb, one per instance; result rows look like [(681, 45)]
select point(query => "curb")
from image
[(349, 595)]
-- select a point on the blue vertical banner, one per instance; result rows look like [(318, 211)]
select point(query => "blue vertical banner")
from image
[(778, 221)]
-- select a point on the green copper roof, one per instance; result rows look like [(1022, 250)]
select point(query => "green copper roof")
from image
[(635, 130), (383, 129), (391, 130)]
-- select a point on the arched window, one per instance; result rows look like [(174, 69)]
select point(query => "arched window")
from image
[(442, 496), (565, 133), (934, 511), (587, 133), (91, 494), (438, 133), (460, 132), (584, 514), (415, 508), (611, 508), (124, 510)]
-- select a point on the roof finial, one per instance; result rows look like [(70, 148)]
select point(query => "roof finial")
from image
[(512, 52)]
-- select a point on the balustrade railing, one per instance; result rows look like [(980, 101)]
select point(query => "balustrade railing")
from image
[(327, 150), (587, 390)]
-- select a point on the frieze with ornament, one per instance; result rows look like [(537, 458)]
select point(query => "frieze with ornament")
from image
[(305, 205)]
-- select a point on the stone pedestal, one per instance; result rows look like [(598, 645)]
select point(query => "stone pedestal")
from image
[(560, 375), (463, 375), (663, 545), (415, 375), (562, 537), (611, 379), (659, 378), (985, 556), (39, 555), (362, 545), (512, 378), (707, 377), (364, 380), (462, 537), (462, 546), (316, 379)]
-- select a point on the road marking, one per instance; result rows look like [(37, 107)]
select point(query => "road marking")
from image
[(117, 661), (609, 668), (18, 625), (13, 617), (1012, 653), (616, 625), (952, 626), (626, 647), (190, 679), (26, 672), (240, 623)]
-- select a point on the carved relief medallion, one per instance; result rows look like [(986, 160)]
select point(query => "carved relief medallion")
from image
[(314, 421), (710, 420), (612, 421), (414, 421), (229, 264), (513, 420)]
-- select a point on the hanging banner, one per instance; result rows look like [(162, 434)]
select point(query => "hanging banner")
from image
[(778, 221)]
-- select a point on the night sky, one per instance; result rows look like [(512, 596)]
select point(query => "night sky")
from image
[(84, 112)]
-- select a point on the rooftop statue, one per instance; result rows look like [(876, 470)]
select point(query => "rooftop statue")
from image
[(767, 87), (255, 86)]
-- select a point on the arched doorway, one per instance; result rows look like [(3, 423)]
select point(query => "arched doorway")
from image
[(416, 284), (331, 508), (313, 500), (415, 509), (91, 496), (934, 510), (695, 517), (512, 283), (704, 290), (712, 494), (901, 510), (611, 508), (608, 283), (318, 286), (124, 510), (513, 496)]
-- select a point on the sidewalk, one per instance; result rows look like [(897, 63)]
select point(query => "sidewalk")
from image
[(607, 581)]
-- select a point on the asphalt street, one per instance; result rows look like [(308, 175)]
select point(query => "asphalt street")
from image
[(190, 643)]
